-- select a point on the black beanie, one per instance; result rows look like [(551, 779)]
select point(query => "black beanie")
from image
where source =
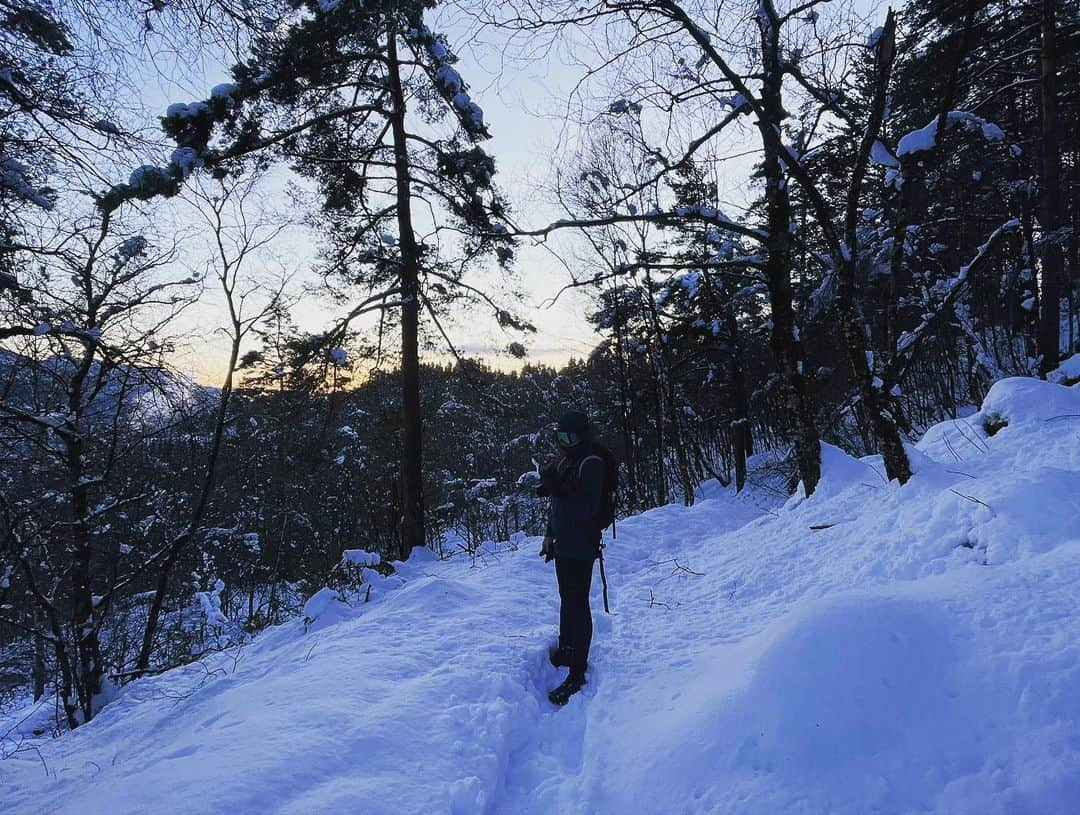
[(574, 421)]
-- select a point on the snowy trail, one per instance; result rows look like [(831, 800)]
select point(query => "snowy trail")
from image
[(874, 649), (333, 710), (551, 773)]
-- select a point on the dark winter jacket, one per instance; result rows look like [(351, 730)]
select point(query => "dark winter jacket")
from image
[(577, 496)]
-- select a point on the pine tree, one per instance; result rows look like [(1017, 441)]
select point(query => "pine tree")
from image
[(364, 99)]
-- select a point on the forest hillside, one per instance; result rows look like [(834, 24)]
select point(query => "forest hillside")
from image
[(871, 648)]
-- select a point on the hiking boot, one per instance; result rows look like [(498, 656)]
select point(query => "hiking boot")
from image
[(559, 657), (573, 683)]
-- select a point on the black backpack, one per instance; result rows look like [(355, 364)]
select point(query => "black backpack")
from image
[(606, 516)]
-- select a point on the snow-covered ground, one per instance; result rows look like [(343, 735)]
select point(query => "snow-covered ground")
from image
[(874, 649)]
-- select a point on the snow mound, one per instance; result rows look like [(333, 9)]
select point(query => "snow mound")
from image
[(360, 557), (325, 606), (1067, 373), (890, 701), (1024, 400), (839, 471)]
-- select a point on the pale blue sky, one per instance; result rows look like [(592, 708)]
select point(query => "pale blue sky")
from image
[(525, 103)]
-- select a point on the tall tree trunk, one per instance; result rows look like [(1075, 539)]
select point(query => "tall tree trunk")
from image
[(629, 455), (784, 337), (412, 509), (661, 435), (1051, 205), (671, 411), (910, 200), (87, 645), (874, 399), (1072, 263), (1029, 287), (740, 428), (682, 456), (88, 667), (39, 671)]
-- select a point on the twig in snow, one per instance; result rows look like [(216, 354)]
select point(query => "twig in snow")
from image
[(973, 499), (977, 443), (680, 568), (677, 568), (950, 448), (208, 674), (4, 736), (236, 655)]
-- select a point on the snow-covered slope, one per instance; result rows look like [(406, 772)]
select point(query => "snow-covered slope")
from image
[(873, 649)]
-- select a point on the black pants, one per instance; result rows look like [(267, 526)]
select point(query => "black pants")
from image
[(575, 616)]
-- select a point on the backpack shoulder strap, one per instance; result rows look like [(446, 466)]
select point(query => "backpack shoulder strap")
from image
[(581, 466)]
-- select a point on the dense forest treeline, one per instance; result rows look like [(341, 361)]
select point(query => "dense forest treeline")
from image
[(910, 235)]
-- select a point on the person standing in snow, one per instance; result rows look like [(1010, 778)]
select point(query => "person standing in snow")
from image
[(576, 488)]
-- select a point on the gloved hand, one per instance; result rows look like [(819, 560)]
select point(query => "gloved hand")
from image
[(550, 483), (547, 549)]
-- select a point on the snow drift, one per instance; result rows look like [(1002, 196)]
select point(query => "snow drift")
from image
[(873, 648)]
